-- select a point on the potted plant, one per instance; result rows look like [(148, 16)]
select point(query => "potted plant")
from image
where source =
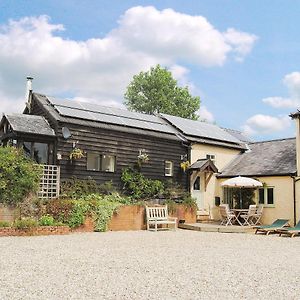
[(184, 165), (76, 153), (142, 158)]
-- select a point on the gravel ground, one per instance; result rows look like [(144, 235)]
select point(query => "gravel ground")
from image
[(149, 265)]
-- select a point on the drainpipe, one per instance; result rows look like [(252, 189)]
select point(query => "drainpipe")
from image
[(295, 179)]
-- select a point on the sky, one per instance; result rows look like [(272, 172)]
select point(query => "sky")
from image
[(241, 57)]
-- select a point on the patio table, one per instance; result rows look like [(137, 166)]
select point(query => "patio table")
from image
[(238, 212)]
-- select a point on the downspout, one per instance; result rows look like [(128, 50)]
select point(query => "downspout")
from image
[(189, 147), (295, 179)]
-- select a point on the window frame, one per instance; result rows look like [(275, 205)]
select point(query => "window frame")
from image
[(209, 156), (265, 189), (100, 157), (171, 168)]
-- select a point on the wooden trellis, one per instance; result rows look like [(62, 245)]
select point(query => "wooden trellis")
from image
[(50, 182)]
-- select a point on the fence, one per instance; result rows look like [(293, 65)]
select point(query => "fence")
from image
[(50, 182)]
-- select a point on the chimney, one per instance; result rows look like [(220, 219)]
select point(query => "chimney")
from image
[(28, 91)]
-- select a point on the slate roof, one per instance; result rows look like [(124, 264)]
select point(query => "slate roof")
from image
[(203, 164), (29, 124), (268, 158)]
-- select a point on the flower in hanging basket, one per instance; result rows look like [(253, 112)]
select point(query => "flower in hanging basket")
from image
[(76, 153), (184, 165), (142, 158)]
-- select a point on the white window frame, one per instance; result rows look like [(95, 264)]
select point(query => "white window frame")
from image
[(265, 188), (169, 170), (100, 164), (212, 157)]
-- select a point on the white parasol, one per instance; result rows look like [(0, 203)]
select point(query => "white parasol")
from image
[(241, 182)]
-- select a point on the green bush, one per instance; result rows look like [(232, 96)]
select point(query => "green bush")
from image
[(140, 187), (46, 220), (4, 224), (99, 207), (75, 188), (26, 223), (19, 176)]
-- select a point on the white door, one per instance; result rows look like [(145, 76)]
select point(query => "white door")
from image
[(197, 192)]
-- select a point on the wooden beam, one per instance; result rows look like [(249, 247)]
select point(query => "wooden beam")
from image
[(207, 177)]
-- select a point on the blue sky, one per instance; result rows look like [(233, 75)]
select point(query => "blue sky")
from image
[(241, 57)]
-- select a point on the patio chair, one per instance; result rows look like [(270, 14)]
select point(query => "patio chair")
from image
[(248, 217), (257, 216), (276, 225), (291, 231), (227, 216)]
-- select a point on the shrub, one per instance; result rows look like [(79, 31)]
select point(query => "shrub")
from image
[(4, 224), (19, 176), (139, 187), (76, 188), (26, 223), (46, 220), (107, 188), (31, 206), (60, 210)]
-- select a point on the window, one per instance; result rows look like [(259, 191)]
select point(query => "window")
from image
[(97, 162), (168, 168), (196, 185), (37, 151), (266, 196), (108, 163), (212, 157), (93, 162)]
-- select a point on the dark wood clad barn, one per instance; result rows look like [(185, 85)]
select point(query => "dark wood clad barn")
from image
[(110, 139)]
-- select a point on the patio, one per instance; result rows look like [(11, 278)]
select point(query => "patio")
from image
[(150, 265)]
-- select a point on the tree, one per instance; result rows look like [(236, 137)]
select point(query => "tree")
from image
[(156, 91), (19, 176)]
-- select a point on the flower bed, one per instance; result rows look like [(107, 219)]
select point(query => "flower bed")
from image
[(40, 230)]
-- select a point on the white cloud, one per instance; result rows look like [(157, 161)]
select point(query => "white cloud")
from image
[(101, 68), (265, 124), (292, 82), (205, 114)]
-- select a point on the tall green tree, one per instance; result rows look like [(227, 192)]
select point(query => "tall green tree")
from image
[(156, 91)]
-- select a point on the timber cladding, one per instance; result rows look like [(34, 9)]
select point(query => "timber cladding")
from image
[(125, 147)]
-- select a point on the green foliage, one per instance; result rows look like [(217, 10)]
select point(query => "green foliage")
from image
[(99, 207), (107, 188), (139, 187), (26, 223), (19, 176), (75, 188), (60, 209), (156, 91), (173, 191), (4, 224), (31, 206), (46, 220)]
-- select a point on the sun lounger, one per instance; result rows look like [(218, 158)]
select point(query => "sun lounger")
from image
[(276, 225), (291, 231)]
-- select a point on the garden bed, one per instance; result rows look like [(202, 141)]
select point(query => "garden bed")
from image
[(40, 230)]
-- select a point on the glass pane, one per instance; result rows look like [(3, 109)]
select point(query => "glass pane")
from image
[(27, 148), (261, 196), (270, 196), (40, 153), (168, 168), (93, 162), (108, 163), (197, 184)]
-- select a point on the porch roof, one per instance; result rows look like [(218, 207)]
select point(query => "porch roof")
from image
[(29, 124), (203, 165)]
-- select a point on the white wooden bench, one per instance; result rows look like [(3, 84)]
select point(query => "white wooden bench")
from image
[(158, 215)]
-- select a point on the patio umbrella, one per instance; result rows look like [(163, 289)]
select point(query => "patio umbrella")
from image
[(241, 182)]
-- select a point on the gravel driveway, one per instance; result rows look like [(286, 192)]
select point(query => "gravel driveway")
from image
[(149, 265)]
